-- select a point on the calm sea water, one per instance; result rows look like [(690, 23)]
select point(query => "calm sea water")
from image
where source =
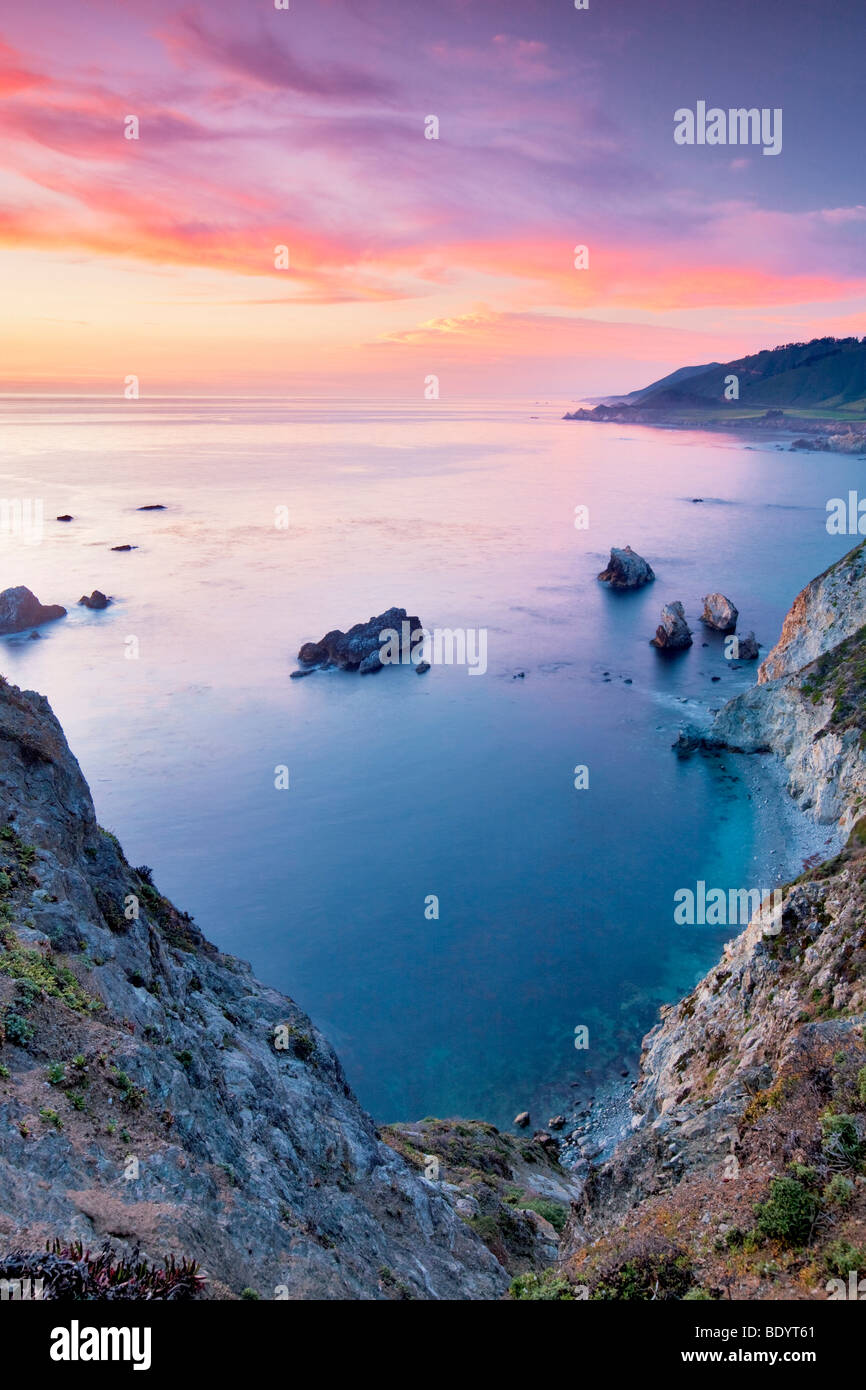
[(555, 905)]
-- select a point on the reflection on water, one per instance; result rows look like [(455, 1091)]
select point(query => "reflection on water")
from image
[(555, 905)]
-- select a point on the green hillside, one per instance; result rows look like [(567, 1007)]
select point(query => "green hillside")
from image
[(827, 374)]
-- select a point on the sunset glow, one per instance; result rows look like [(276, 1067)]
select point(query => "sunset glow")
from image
[(305, 128)]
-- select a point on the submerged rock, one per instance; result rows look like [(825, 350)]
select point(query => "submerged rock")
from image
[(96, 600), (359, 648), (19, 608), (719, 613), (626, 570), (522, 1120), (673, 633), (688, 740)]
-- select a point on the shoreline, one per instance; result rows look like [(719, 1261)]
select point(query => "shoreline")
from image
[(806, 435), (598, 1124)]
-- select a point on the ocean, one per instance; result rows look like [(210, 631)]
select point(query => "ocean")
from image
[(285, 519)]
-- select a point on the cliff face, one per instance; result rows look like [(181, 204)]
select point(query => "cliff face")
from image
[(830, 608), (806, 707), (761, 1067), (152, 1091)]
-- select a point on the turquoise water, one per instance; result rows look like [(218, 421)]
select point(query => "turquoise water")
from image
[(555, 905)]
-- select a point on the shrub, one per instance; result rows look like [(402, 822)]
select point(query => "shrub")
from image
[(840, 1138), (17, 1029), (651, 1270), (546, 1285), (789, 1213), (132, 1096), (839, 1192), (554, 1212), (804, 1173), (841, 1257)]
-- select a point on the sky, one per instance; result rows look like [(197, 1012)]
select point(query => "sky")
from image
[(410, 257)]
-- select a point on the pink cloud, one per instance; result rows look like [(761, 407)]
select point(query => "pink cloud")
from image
[(13, 76), (527, 60), (266, 60)]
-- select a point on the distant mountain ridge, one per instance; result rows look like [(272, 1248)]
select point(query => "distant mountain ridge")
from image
[(824, 374)]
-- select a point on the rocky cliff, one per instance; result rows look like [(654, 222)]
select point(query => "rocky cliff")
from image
[(744, 1175), (807, 707), (154, 1093)]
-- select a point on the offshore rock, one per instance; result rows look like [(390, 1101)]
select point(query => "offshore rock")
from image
[(354, 650), (747, 648), (719, 613), (19, 608), (626, 570), (673, 633)]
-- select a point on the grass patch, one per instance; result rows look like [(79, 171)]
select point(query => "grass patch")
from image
[(547, 1285), (43, 973), (554, 1212)]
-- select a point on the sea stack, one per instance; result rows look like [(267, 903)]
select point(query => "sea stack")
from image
[(747, 648), (626, 570), (719, 613), (19, 608), (359, 648), (673, 633), (96, 600)]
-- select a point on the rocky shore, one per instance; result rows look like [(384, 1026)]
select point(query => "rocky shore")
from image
[(153, 1092), (744, 1175), (828, 436)]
